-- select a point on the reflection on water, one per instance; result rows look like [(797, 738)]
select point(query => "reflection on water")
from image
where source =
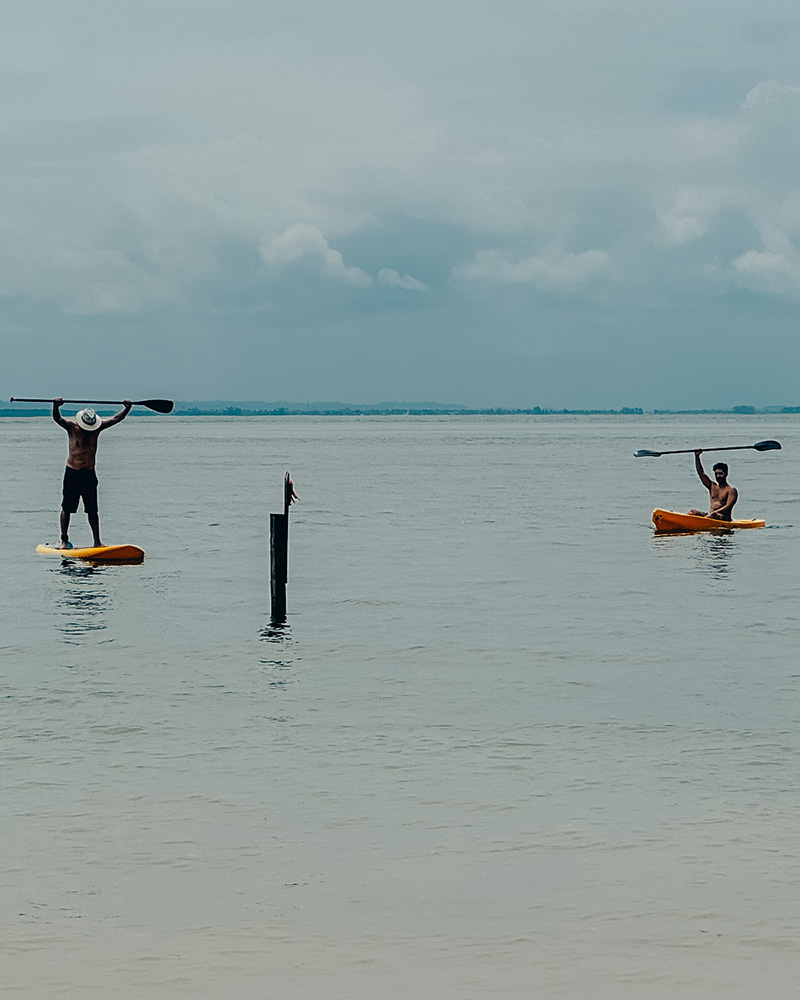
[(712, 552), (279, 671), (83, 602), (715, 553), (276, 631)]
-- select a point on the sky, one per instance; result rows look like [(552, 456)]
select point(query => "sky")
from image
[(562, 204)]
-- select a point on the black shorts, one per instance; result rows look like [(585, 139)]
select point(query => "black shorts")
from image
[(79, 484)]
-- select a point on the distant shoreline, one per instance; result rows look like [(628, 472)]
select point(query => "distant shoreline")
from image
[(367, 411)]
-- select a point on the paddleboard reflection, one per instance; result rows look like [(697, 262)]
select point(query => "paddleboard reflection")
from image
[(84, 601)]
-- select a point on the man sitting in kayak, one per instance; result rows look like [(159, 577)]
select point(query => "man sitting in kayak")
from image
[(723, 495), (80, 479)]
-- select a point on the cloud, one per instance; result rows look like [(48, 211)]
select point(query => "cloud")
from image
[(770, 92), (171, 160), (390, 278), (691, 214), (765, 264), (559, 271), (304, 240), (768, 272)]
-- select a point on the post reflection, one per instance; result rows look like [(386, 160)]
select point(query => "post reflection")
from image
[(276, 631), (279, 671), (84, 601)]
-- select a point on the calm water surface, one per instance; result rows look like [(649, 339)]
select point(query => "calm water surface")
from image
[(508, 744)]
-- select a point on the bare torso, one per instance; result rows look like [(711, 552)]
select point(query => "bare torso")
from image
[(82, 446), (722, 496)]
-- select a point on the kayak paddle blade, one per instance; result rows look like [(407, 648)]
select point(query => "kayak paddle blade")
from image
[(768, 446), (647, 454)]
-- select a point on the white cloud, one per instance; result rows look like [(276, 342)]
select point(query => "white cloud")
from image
[(691, 213), (773, 268), (768, 272), (681, 225), (559, 271), (763, 264), (304, 240), (390, 278), (770, 92)]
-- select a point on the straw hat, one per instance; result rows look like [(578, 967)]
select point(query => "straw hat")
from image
[(88, 420)]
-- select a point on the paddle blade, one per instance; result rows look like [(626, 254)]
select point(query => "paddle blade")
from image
[(767, 446), (163, 405), (647, 454)]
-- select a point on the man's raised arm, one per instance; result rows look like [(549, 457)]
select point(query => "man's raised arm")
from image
[(110, 421), (701, 472), (57, 404)]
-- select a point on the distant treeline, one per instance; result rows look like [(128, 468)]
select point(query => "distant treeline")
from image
[(367, 411)]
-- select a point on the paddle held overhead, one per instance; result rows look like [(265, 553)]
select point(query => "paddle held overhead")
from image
[(159, 405), (759, 446)]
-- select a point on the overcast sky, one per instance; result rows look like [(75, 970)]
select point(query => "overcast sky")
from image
[(547, 203)]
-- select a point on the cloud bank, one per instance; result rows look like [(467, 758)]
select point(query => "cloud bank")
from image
[(524, 183)]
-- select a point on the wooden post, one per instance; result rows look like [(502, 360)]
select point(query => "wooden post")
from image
[(278, 563), (279, 551)]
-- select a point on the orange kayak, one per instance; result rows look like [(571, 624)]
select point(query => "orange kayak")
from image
[(672, 521)]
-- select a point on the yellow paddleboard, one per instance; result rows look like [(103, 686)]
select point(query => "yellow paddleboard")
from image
[(105, 553)]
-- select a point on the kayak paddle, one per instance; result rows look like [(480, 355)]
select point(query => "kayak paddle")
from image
[(159, 405), (759, 446)]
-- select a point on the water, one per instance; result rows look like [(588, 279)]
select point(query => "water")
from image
[(508, 744)]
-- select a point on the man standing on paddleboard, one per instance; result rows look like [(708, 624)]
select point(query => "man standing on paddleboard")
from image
[(723, 495), (80, 479)]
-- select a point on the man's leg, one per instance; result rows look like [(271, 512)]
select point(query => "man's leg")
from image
[(64, 529), (69, 504), (94, 524), (90, 506)]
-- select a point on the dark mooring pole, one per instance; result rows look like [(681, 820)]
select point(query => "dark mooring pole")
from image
[(279, 551)]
